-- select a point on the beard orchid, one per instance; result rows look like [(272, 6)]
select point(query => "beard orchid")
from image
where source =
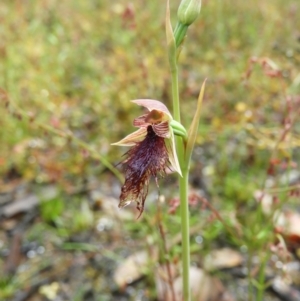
[(152, 151)]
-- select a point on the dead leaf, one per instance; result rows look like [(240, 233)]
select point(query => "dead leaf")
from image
[(203, 287), (163, 281), (20, 205), (288, 225), (284, 290), (266, 201), (50, 290), (222, 258), (133, 268)]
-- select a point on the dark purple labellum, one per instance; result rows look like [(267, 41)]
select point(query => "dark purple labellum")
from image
[(147, 158)]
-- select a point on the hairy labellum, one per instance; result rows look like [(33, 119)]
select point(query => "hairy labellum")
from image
[(152, 152), (146, 158)]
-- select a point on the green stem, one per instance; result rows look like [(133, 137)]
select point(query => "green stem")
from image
[(183, 183), (180, 33), (175, 89), (185, 233), (262, 278), (249, 276)]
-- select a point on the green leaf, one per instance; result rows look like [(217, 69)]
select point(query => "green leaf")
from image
[(171, 44), (192, 133)]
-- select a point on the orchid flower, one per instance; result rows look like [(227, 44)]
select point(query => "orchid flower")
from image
[(153, 151)]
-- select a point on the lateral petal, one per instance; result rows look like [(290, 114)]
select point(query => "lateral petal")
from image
[(162, 129), (170, 145), (140, 121), (132, 138)]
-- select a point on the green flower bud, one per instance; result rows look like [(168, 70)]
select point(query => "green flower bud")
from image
[(188, 11)]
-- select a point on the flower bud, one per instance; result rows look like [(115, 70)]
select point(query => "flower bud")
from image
[(188, 11)]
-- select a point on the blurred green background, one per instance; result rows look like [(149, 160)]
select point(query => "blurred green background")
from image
[(75, 65)]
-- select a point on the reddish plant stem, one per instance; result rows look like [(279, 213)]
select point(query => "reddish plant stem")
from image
[(166, 251)]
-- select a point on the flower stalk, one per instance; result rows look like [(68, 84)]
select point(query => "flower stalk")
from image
[(187, 13), (183, 181)]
